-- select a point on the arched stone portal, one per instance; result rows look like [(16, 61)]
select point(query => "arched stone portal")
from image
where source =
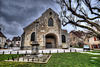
[(51, 40)]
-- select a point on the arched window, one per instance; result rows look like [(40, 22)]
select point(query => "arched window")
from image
[(50, 22), (33, 36), (63, 38)]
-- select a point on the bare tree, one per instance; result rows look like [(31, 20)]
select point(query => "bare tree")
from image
[(81, 13)]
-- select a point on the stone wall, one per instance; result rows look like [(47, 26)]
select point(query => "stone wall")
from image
[(74, 40), (2, 42), (43, 29), (66, 44)]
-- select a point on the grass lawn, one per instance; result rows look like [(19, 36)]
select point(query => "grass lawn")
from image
[(57, 60), (94, 51)]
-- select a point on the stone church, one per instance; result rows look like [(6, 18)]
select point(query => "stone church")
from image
[(47, 31)]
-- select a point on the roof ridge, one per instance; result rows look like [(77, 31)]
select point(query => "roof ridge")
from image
[(2, 35)]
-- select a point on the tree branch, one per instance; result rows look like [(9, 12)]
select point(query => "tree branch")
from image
[(86, 27), (93, 18), (95, 8), (81, 16), (84, 17), (89, 6)]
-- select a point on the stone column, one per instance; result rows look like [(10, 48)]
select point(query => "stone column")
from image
[(32, 50), (36, 26), (60, 37), (43, 41)]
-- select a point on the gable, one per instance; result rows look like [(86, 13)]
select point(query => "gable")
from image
[(2, 35), (48, 11)]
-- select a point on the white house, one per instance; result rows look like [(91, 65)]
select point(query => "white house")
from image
[(93, 42), (2, 39), (16, 41), (9, 42)]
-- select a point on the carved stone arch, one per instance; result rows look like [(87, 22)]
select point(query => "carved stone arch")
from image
[(51, 40)]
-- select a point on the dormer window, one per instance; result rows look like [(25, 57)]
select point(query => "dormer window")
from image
[(50, 22)]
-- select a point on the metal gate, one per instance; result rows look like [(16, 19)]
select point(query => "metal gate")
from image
[(48, 45)]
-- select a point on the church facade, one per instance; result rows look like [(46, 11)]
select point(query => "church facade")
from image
[(47, 31)]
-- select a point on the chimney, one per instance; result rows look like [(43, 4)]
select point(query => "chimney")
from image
[(0, 29)]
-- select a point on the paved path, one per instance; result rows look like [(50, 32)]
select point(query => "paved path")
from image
[(91, 53)]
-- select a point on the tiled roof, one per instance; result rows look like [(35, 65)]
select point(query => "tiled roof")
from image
[(65, 30), (16, 38), (2, 35), (8, 40), (78, 33)]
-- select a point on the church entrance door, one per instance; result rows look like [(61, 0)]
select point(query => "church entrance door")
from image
[(51, 41)]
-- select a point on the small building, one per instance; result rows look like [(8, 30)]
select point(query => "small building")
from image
[(76, 38), (2, 39), (92, 41), (9, 42), (47, 31), (16, 41)]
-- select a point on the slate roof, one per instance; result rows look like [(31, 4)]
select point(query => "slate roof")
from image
[(16, 38), (8, 40), (2, 35), (65, 30)]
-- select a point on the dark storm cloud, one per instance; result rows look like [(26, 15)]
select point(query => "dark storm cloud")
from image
[(16, 14), (20, 10)]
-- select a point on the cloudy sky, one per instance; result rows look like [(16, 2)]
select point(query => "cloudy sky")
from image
[(17, 14)]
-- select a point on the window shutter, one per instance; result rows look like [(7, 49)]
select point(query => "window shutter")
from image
[(94, 38)]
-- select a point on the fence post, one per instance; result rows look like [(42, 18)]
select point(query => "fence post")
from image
[(42, 52), (10, 52), (70, 50), (17, 52), (57, 51), (64, 51), (28, 59), (25, 53), (75, 50), (3, 52)]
